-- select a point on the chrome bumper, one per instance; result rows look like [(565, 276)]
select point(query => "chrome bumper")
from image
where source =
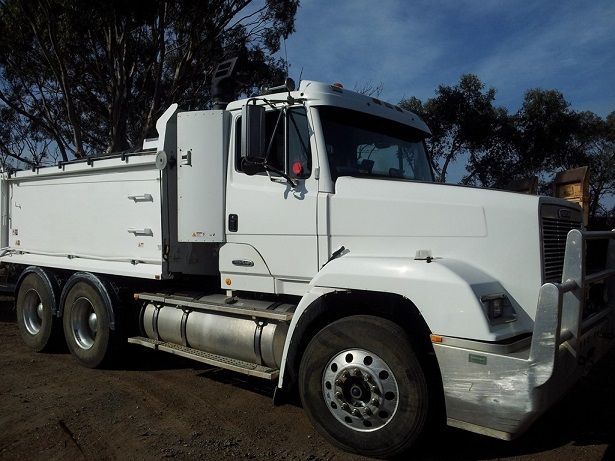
[(499, 390)]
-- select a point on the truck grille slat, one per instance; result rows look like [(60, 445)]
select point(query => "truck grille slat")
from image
[(554, 233)]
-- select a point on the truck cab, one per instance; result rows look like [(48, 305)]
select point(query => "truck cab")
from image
[(326, 133)]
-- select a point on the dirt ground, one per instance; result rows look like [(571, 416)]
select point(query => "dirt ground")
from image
[(159, 406)]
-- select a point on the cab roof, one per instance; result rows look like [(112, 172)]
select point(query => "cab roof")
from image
[(324, 94)]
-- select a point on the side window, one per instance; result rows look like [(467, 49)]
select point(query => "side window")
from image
[(290, 147), (238, 144), (383, 160), (299, 152)]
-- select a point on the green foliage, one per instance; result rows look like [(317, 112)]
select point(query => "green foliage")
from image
[(600, 155), (462, 118), (545, 136), (547, 129), (80, 77)]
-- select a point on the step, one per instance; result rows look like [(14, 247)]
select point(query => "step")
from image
[(247, 368), (216, 303)]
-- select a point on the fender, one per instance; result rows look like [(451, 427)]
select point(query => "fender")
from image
[(446, 292), (106, 292), (49, 279)]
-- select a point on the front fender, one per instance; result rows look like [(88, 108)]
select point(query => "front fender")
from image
[(446, 292)]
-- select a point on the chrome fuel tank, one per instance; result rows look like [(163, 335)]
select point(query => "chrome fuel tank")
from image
[(253, 340)]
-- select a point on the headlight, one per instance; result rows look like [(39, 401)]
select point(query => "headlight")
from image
[(498, 308)]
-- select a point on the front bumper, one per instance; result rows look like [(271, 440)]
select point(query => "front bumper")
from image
[(499, 390)]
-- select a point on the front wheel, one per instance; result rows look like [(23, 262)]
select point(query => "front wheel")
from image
[(363, 388)]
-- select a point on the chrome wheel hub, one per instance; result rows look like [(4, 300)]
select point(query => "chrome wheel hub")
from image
[(33, 311), (93, 322), (360, 390), (84, 323)]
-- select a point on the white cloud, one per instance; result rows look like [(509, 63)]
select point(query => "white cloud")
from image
[(412, 47), (357, 42), (569, 45)]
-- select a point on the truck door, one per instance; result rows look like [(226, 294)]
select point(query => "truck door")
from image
[(265, 213)]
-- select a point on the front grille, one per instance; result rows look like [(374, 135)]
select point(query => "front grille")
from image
[(554, 232)]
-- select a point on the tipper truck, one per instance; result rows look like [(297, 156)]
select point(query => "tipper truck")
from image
[(299, 237)]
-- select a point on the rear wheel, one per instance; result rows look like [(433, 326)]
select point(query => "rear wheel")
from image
[(86, 326), (363, 387), (34, 305)]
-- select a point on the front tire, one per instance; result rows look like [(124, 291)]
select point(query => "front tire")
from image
[(35, 304), (363, 388), (87, 326)]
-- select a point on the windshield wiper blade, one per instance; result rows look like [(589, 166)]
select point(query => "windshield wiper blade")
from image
[(375, 175)]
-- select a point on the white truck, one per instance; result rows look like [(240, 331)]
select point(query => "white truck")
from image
[(299, 237)]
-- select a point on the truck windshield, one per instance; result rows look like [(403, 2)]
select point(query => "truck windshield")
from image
[(360, 144)]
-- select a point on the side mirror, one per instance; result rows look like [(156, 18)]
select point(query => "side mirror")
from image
[(253, 133)]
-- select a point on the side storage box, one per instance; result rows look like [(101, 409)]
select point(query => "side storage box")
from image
[(202, 142)]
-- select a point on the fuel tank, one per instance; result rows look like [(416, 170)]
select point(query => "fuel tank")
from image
[(252, 340)]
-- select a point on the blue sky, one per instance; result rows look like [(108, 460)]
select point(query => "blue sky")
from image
[(413, 46)]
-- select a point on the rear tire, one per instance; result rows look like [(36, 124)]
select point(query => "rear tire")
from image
[(87, 326), (35, 305), (363, 388)]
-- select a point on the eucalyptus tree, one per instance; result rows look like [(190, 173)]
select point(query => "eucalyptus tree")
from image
[(81, 77)]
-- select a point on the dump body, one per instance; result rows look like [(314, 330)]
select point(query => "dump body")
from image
[(152, 214), (104, 215)]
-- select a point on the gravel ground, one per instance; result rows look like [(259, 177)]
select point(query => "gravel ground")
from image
[(159, 406)]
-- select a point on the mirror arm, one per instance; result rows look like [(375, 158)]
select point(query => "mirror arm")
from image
[(289, 180), (275, 130), (266, 165)]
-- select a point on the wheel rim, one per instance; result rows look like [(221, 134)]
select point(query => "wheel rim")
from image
[(84, 323), (32, 312), (360, 390)]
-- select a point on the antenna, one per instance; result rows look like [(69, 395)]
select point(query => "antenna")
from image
[(285, 56)]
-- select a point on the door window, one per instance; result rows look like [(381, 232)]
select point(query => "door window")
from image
[(299, 152), (290, 143)]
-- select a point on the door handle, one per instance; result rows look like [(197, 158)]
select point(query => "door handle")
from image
[(142, 232), (243, 262), (141, 198)]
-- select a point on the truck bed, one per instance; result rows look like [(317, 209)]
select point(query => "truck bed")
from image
[(101, 215)]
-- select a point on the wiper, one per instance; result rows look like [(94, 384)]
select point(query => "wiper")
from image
[(375, 175)]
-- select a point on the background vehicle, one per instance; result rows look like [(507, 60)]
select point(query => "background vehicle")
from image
[(298, 237)]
